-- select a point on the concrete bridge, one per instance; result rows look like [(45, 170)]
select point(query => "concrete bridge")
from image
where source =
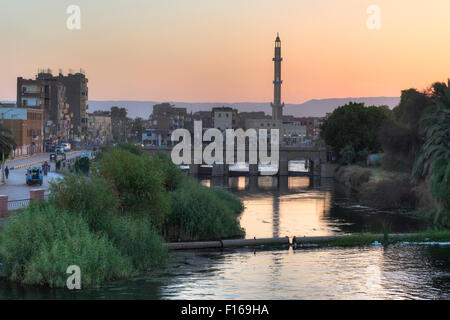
[(316, 158)]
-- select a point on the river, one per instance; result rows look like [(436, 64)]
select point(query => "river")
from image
[(294, 206)]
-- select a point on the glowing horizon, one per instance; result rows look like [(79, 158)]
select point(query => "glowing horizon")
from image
[(221, 51)]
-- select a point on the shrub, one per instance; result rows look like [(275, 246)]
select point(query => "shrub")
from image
[(92, 197), (199, 212), (82, 165), (138, 182), (389, 194), (137, 239), (353, 176), (347, 154), (40, 242), (132, 148), (395, 163), (173, 176)]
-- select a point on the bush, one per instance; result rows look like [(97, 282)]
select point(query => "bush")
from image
[(40, 242), (199, 212), (389, 194), (353, 176), (139, 182), (347, 154), (395, 163), (132, 148), (82, 165), (173, 176), (92, 197), (137, 239)]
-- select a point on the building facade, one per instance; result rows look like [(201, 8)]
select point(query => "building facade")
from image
[(99, 128), (63, 100), (27, 133), (224, 118)]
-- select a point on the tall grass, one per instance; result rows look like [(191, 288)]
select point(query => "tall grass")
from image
[(137, 239), (92, 197), (200, 213), (41, 242), (112, 222), (139, 183)]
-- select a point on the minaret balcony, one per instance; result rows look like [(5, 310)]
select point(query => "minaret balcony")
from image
[(277, 81), (277, 59)]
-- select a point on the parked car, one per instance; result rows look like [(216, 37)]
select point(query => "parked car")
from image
[(60, 150), (66, 146)]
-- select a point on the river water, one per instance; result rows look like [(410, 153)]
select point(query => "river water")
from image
[(294, 206)]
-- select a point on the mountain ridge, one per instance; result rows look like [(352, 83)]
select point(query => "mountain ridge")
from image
[(312, 108)]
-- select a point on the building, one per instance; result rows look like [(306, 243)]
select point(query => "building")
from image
[(164, 119), (167, 117), (204, 117), (77, 97), (57, 124), (224, 118), (26, 131), (99, 128), (293, 132), (63, 100)]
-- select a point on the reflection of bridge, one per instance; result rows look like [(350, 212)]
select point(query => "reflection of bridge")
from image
[(275, 189), (316, 159)]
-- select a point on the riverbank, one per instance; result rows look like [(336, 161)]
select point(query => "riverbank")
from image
[(388, 190), (354, 240)]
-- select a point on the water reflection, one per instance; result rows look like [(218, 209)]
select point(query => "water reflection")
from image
[(304, 206), (395, 272), (280, 206)]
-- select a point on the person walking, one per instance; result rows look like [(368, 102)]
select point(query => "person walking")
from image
[(6, 172)]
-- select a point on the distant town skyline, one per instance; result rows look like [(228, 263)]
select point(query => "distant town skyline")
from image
[(206, 51)]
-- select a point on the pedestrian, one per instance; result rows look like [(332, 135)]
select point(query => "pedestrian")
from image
[(6, 172)]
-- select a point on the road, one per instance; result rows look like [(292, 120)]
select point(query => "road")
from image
[(16, 188)]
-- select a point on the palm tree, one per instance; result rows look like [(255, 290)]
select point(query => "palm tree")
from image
[(436, 127)]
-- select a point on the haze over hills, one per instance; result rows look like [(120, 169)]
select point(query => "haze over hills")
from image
[(314, 108)]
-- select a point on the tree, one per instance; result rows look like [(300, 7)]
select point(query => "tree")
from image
[(400, 136), (138, 128), (355, 125), (436, 128), (6, 142), (347, 154)]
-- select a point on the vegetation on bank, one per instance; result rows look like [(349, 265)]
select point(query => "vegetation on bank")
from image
[(365, 239), (414, 138), (112, 220)]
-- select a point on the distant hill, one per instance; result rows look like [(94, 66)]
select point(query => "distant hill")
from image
[(313, 108)]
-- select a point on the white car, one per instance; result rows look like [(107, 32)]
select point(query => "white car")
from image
[(66, 146)]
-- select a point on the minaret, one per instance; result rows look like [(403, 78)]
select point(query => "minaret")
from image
[(277, 106)]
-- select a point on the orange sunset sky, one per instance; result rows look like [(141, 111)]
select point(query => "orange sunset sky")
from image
[(221, 50)]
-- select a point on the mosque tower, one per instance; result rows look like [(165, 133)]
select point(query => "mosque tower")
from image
[(277, 106)]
